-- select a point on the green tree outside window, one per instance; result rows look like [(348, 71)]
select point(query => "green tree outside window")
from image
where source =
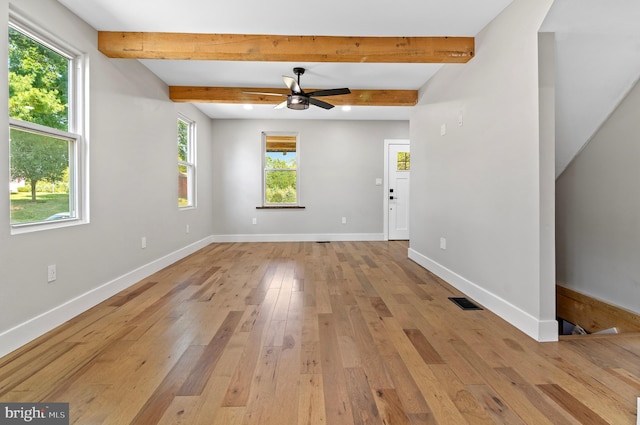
[(38, 93)]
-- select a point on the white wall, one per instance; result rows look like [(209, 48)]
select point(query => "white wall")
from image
[(598, 214), (339, 163), (133, 192), (480, 185), (590, 86)]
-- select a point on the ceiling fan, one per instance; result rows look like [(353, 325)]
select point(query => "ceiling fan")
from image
[(300, 100)]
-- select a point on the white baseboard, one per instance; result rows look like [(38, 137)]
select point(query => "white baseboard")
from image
[(25, 332), (540, 330), (311, 237)]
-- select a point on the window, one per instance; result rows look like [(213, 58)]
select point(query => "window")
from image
[(403, 161), (45, 147), (280, 169), (186, 163)]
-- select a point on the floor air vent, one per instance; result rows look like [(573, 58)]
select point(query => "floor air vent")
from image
[(464, 303)]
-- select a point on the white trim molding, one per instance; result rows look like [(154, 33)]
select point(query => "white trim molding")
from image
[(26, 332), (540, 330), (295, 237)]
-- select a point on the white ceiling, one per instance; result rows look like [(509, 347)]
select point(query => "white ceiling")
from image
[(279, 17)]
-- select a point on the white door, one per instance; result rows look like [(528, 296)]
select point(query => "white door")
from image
[(398, 165)]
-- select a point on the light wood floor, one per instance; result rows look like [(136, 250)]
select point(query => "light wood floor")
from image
[(314, 333)]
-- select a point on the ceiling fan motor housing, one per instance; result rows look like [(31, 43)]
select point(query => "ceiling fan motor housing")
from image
[(297, 102)]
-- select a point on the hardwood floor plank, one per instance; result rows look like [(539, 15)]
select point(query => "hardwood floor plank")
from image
[(203, 368), (390, 407), (311, 407), (41, 345), (440, 328), (606, 395), (274, 333), (625, 376), (181, 411), (309, 293), (572, 405), (323, 298), (497, 408), (262, 407), (208, 290), (414, 283), (238, 392), (62, 370), (555, 416), (394, 367), (380, 306), (202, 275), (421, 419), (368, 288), (159, 401), (86, 374), (604, 355), (126, 296), (371, 360), (16, 372), (88, 409), (206, 319), (468, 405), (210, 402), (426, 350), (249, 319), (310, 343), (501, 388), (363, 403), (288, 378), (336, 393), (405, 386), (260, 290), (439, 402), (227, 416)]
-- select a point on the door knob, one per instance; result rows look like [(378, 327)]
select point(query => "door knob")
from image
[(391, 197)]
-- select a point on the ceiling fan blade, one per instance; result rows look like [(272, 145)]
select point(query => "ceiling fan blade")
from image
[(329, 92), (292, 84), (320, 103), (281, 105), (264, 93)]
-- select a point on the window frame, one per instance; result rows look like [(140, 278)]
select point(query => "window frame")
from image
[(190, 163), (77, 114), (266, 204)]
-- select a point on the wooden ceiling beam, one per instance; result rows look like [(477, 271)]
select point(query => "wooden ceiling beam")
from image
[(238, 95), (285, 48)]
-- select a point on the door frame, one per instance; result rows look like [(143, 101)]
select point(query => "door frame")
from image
[(385, 189)]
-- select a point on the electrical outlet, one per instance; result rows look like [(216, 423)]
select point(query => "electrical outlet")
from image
[(143, 242), (344, 220), (254, 221), (51, 273), (443, 243), (443, 129), (188, 229)]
